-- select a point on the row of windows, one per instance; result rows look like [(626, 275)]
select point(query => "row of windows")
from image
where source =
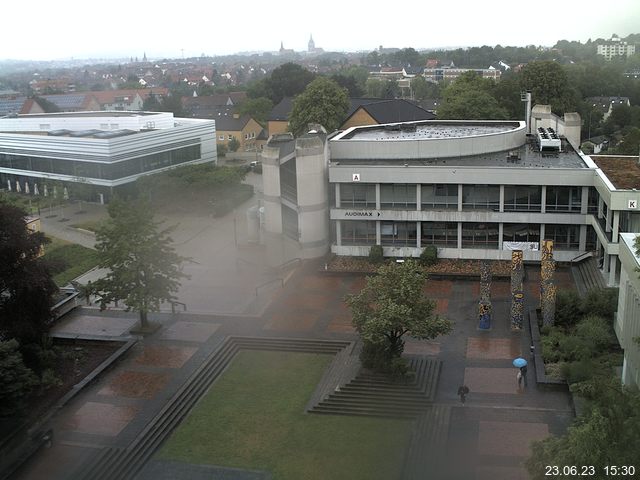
[(104, 171), (445, 234), (247, 136), (474, 197)]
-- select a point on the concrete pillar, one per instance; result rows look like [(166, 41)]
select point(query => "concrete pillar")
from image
[(583, 238), (605, 263), (501, 205), (378, 233), (616, 226), (418, 197), (377, 197), (459, 235), (543, 200), (459, 197), (338, 201), (613, 260), (584, 201), (418, 234), (338, 233), (600, 204), (542, 232), (500, 233)]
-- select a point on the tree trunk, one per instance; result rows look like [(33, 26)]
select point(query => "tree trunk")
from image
[(143, 319)]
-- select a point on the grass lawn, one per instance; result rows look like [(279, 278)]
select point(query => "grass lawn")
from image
[(253, 417), (74, 258), (91, 225)]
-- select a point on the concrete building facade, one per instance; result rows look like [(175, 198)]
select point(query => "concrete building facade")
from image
[(105, 149)]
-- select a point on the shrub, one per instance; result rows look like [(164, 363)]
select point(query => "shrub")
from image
[(429, 256), (602, 303), (16, 380), (595, 333), (376, 254), (568, 308)]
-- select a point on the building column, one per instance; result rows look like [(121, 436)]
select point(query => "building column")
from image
[(338, 195), (600, 203), (584, 201), (459, 199), (613, 260), (338, 233), (459, 235), (543, 199), (378, 197), (542, 233), (616, 226), (418, 233), (501, 206), (583, 238), (500, 231), (605, 263), (418, 197), (378, 234)]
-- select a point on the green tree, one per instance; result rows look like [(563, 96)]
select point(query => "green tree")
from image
[(288, 80), (423, 90), (469, 97), (606, 434), (549, 85), (257, 108), (391, 305), (26, 288), (144, 269), (233, 144), (16, 380), (323, 102)]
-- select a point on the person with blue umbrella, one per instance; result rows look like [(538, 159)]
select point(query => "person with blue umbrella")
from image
[(521, 363)]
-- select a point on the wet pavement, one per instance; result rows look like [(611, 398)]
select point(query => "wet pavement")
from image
[(489, 435)]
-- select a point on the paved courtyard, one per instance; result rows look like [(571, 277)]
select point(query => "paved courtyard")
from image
[(489, 436)]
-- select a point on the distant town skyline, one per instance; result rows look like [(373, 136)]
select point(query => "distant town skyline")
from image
[(39, 30)]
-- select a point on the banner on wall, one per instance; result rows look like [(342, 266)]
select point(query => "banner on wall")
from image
[(531, 246)]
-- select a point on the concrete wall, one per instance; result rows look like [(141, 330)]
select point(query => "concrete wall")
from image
[(85, 121), (271, 189), (627, 322)]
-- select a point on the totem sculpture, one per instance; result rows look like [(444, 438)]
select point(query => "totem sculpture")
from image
[(517, 295), (484, 306), (547, 287)]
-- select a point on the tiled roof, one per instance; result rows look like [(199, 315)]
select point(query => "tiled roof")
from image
[(396, 110), (14, 105), (229, 123)]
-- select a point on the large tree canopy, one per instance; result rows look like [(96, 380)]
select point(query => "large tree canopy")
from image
[(144, 269), (549, 85), (323, 102), (392, 304), (470, 98), (26, 288), (288, 80)]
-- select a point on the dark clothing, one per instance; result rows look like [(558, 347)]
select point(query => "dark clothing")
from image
[(523, 371), (463, 390)]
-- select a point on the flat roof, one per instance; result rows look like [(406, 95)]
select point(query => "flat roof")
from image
[(436, 129), (526, 155), (106, 113), (622, 171)]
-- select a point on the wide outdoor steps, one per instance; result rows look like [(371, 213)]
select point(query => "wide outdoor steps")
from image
[(379, 395), (124, 463), (588, 276), (427, 451)]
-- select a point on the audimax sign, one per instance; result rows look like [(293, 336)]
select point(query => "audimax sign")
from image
[(361, 213)]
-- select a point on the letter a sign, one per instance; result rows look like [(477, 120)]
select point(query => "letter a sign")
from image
[(355, 177)]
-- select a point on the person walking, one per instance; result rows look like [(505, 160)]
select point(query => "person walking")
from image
[(463, 390), (523, 372)]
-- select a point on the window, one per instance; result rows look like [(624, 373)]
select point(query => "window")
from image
[(563, 199), (521, 198), (358, 232), (479, 235), (401, 234), (398, 196), (565, 237), (357, 195), (246, 136), (443, 234), (230, 137), (521, 232), (221, 137), (481, 197), (439, 196)]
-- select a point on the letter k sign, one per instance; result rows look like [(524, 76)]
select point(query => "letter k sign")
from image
[(633, 204), (355, 177)]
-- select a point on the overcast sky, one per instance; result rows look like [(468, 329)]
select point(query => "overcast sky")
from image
[(46, 30)]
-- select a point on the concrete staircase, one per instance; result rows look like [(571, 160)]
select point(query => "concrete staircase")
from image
[(115, 463), (378, 395), (428, 447), (587, 276)]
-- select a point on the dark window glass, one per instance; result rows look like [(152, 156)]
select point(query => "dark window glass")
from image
[(522, 198), (399, 196), (479, 235), (439, 197), (481, 197), (444, 234), (357, 195), (401, 234), (354, 232)]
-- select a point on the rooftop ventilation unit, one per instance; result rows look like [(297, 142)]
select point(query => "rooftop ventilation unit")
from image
[(548, 140)]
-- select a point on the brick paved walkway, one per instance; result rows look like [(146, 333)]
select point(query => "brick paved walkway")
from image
[(489, 436)]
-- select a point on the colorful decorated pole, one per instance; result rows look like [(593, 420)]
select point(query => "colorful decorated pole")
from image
[(484, 306), (547, 287), (517, 295)]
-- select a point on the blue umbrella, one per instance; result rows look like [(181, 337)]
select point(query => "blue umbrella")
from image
[(519, 362)]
